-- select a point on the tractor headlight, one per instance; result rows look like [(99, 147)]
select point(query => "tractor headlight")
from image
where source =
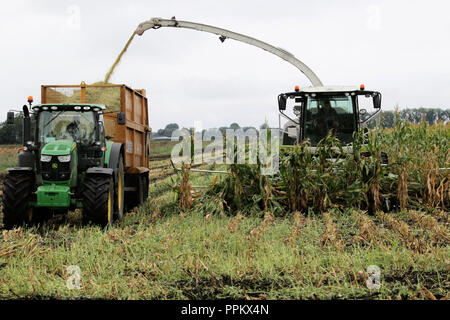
[(45, 158), (64, 158)]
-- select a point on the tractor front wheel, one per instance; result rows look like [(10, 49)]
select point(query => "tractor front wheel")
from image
[(98, 199), (17, 191)]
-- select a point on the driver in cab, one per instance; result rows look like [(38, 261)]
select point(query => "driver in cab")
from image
[(74, 130), (327, 119)]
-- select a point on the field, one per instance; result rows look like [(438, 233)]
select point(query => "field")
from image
[(182, 245), (8, 156)]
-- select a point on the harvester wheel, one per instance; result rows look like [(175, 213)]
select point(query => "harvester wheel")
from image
[(98, 199), (17, 191), (120, 191)]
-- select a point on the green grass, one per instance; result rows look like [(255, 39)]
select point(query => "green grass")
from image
[(157, 253), (8, 156), (164, 148), (161, 148), (189, 256)]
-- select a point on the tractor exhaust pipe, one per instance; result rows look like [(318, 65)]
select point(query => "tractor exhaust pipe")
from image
[(26, 126)]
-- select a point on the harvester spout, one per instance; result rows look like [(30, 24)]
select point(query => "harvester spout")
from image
[(156, 23), (144, 26)]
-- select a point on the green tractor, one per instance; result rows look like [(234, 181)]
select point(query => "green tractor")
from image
[(70, 163)]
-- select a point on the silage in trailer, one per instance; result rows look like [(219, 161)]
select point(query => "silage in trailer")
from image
[(109, 96)]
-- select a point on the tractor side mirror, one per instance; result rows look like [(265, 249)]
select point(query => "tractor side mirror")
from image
[(377, 100), (281, 102), (121, 118), (10, 118)]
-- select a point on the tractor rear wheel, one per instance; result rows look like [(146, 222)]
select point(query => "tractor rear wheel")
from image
[(98, 199), (17, 192)]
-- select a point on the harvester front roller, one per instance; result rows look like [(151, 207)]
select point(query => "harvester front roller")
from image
[(98, 199)]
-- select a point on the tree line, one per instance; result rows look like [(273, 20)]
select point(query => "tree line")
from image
[(171, 127), (416, 115)]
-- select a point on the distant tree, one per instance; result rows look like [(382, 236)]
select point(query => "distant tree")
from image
[(411, 115), (387, 119), (265, 125), (172, 126), (247, 128), (168, 130), (223, 130), (12, 133), (234, 126), (415, 115), (431, 115), (444, 115)]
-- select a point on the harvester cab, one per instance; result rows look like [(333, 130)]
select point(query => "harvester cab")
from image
[(317, 111)]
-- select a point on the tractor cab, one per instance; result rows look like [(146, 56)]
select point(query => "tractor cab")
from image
[(65, 132), (318, 111), (60, 132)]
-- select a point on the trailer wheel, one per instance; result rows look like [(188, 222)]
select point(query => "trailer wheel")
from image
[(144, 188), (98, 199), (17, 192), (120, 191), (138, 197)]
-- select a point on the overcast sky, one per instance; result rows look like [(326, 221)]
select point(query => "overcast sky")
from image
[(400, 48)]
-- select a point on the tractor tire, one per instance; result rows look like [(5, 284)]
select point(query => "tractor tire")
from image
[(17, 193), (98, 199), (120, 191)]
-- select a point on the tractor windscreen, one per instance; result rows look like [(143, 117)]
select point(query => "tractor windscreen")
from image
[(329, 113), (67, 125)]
